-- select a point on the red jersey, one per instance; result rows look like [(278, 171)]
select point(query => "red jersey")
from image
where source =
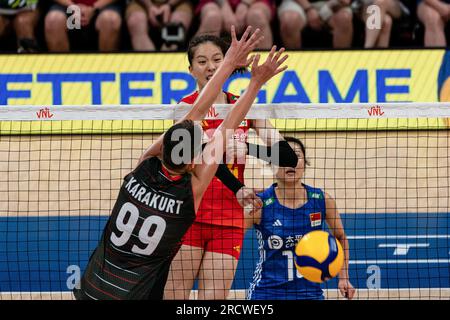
[(219, 205)]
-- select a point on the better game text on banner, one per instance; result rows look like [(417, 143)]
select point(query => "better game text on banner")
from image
[(312, 77)]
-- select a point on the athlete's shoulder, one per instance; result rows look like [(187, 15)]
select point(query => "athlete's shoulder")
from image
[(190, 99), (314, 193)]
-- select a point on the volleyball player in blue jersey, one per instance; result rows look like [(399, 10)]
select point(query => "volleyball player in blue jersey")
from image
[(290, 210)]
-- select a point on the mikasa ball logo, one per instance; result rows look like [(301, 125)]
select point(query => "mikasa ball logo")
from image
[(275, 242)]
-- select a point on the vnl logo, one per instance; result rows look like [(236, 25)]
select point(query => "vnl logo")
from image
[(376, 111), (44, 113)]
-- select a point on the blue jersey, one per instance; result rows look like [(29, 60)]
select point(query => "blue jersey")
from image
[(276, 276)]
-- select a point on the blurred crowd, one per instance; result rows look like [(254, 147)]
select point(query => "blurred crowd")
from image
[(167, 25)]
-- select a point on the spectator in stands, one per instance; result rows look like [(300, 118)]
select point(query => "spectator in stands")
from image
[(293, 20), (170, 18), (260, 15), (96, 16), (217, 16), (294, 15), (434, 14), (23, 17), (378, 29)]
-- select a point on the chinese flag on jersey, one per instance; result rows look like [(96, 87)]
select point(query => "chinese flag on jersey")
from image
[(316, 219)]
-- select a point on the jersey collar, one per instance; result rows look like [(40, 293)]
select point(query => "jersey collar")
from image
[(169, 176)]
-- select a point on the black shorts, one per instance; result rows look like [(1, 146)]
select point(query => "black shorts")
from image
[(86, 37)]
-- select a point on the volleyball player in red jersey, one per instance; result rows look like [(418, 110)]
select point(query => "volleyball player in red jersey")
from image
[(142, 236), (211, 247)]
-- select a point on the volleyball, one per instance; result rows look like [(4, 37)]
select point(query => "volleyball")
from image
[(319, 256)]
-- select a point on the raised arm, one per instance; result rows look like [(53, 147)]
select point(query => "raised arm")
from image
[(236, 57), (282, 156), (204, 172), (266, 131)]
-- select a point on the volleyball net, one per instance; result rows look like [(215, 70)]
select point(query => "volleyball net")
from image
[(386, 165)]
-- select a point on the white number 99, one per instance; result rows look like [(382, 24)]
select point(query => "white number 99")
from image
[(128, 227)]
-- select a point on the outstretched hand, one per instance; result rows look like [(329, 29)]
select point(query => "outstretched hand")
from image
[(271, 67), (239, 50)]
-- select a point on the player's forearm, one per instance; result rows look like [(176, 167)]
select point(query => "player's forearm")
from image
[(343, 274), (152, 151), (209, 93), (241, 107), (267, 132), (217, 144), (228, 179)]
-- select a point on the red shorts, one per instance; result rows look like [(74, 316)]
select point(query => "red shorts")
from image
[(234, 4), (215, 238)]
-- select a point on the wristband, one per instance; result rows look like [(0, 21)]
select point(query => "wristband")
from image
[(228, 179)]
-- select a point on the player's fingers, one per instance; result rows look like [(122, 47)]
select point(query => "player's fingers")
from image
[(271, 53), (258, 41), (255, 44), (351, 293), (246, 33), (282, 60), (343, 291), (258, 203), (250, 60), (278, 54), (280, 70), (254, 39), (233, 34), (256, 60)]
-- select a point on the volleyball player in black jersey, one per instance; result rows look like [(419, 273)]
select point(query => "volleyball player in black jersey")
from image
[(158, 200)]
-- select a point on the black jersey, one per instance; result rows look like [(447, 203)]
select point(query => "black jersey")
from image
[(141, 237)]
